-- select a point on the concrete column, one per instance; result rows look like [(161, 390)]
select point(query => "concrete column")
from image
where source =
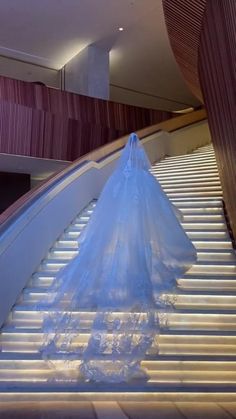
[(88, 73)]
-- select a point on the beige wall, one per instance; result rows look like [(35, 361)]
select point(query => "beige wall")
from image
[(187, 139), (29, 72)]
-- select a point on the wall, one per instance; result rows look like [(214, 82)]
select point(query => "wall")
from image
[(42, 122), (130, 96), (203, 38), (12, 186), (21, 70), (184, 19), (187, 139), (217, 70)]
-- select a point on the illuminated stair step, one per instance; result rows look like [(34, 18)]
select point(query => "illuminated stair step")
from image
[(134, 392), (185, 172), (198, 217), (71, 244), (191, 157), (209, 163), (152, 392), (171, 366), (211, 244), (202, 154), (198, 284), (206, 302), (72, 228), (204, 226), (203, 213), (155, 376), (183, 195), (55, 264), (71, 235), (194, 169), (185, 324), (206, 252), (216, 276), (46, 280), (181, 338), (173, 179), (194, 200), (65, 256), (168, 345), (224, 254), (176, 183), (188, 177), (207, 166), (181, 301), (203, 321), (63, 253), (210, 234), (198, 203), (83, 218), (52, 265), (189, 188), (212, 269), (221, 255)]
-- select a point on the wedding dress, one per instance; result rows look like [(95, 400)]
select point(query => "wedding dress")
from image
[(131, 252)]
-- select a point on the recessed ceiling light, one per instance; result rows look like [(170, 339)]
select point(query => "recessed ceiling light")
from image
[(121, 29)]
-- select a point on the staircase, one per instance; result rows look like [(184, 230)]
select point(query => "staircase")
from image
[(197, 354)]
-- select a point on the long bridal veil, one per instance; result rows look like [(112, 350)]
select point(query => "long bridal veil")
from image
[(103, 307)]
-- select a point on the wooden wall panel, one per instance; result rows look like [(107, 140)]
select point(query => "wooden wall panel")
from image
[(184, 20), (217, 72), (203, 38), (43, 122)]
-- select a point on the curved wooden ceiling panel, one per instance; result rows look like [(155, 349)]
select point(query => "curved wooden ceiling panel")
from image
[(184, 22)]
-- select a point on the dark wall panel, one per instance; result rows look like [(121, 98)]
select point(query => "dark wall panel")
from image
[(12, 187)]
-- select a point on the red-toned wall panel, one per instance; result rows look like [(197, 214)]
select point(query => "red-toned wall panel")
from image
[(44, 122)]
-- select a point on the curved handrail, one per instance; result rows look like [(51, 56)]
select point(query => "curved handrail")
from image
[(25, 201)]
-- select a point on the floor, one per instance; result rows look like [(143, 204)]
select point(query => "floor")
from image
[(121, 410)]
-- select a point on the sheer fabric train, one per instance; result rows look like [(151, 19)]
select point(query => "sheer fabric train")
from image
[(131, 252)]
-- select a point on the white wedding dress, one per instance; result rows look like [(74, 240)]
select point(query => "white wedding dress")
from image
[(132, 250)]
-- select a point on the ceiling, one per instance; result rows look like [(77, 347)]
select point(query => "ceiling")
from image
[(142, 65)]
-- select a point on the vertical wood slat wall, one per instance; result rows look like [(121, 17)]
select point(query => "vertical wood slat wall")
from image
[(183, 19), (212, 62), (217, 72), (44, 122)]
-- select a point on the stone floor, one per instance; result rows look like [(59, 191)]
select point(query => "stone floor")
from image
[(121, 410)]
